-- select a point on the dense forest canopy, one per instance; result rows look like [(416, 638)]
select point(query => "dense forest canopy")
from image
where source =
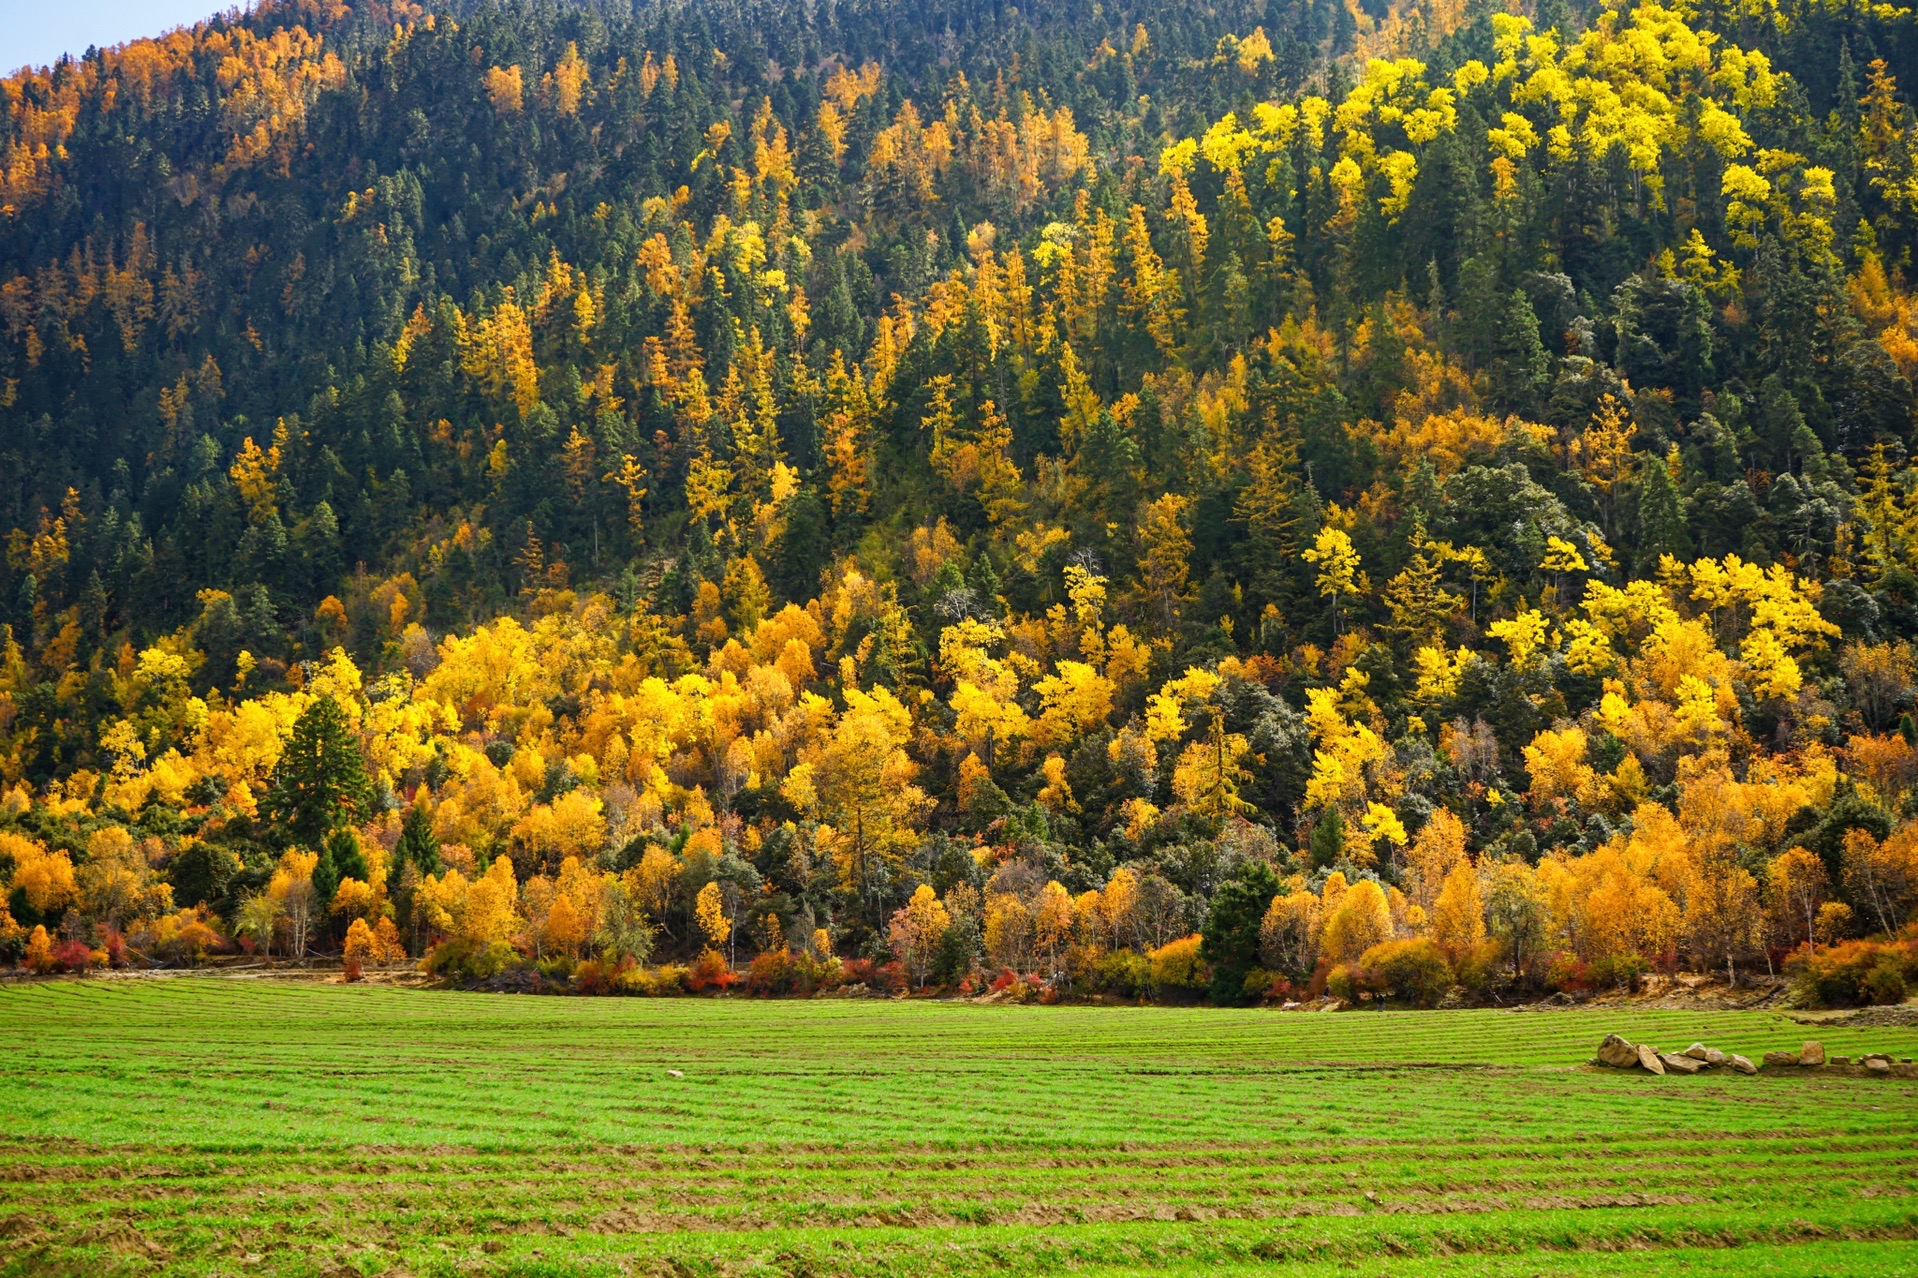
[(768, 478)]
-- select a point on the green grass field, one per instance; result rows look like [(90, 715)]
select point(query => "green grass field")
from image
[(198, 1126)]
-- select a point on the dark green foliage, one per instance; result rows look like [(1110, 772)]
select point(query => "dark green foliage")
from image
[(1327, 840), (417, 845), (1230, 939), (343, 849), (320, 784), (1824, 832), (326, 876), (201, 872), (960, 948), (1661, 515)]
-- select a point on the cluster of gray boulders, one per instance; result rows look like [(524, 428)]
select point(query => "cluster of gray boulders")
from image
[(1620, 1053)]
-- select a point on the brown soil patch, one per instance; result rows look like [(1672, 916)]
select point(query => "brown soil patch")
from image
[(118, 1236)]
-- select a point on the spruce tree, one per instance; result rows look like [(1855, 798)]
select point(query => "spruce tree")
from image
[(326, 877), (320, 784), (417, 843), (343, 848), (1519, 363), (1661, 514), (1327, 840), (1230, 942)]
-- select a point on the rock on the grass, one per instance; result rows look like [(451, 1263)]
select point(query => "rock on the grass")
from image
[(1781, 1058), (1648, 1057), (1696, 1051), (1740, 1064), (1617, 1053), (1714, 1057), (1878, 1064), (1812, 1054), (1682, 1063)]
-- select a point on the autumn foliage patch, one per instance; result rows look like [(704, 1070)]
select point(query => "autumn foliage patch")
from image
[(1856, 972)]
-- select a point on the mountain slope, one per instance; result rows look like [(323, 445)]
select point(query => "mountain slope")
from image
[(1178, 437)]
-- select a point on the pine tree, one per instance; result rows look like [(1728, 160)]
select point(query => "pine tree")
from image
[(1230, 942), (1518, 366), (343, 849), (320, 783), (417, 843), (326, 877), (1327, 840), (1661, 514)]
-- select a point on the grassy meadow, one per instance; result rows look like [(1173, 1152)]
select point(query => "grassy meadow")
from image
[(199, 1126)]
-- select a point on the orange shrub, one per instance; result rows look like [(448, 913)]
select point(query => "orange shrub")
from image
[(1855, 972)]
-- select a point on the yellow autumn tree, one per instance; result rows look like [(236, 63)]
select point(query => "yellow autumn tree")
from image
[(1458, 915), (916, 931), (1338, 567), (709, 915), (1432, 856), (864, 780), (1361, 919)]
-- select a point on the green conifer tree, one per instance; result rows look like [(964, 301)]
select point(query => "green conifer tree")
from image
[(320, 783)]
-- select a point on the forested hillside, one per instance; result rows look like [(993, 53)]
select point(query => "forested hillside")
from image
[(1414, 492)]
